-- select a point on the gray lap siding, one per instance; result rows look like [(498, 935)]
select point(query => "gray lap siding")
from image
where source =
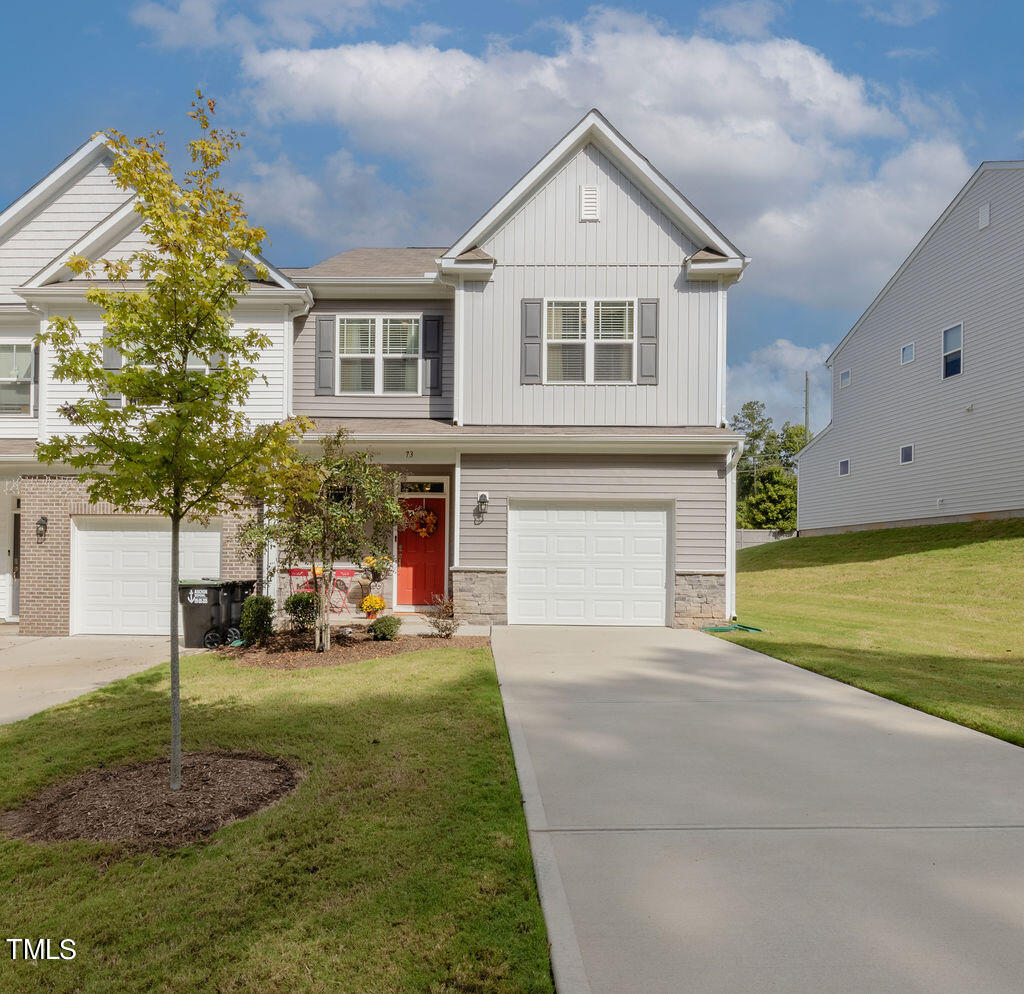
[(694, 485)]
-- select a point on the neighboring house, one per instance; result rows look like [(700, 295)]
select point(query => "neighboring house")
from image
[(552, 386), (927, 417)]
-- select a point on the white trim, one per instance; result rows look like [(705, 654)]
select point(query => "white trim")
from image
[(456, 510), (594, 127), (459, 308), (80, 160), (722, 401)]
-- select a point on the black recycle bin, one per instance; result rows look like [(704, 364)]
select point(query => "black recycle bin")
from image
[(212, 610)]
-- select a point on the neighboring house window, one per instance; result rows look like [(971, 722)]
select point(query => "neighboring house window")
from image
[(906, 453), (378, 355), (953, 351), (907, 354), (844, 467), (16, 362), (590, 341), (844, 379)]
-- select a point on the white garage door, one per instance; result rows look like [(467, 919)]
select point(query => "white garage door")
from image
[(121, 579), (578, 564)]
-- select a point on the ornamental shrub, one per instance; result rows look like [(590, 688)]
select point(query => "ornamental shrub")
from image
[(441, 617), (257, 622), (301, 609), (384, 629)]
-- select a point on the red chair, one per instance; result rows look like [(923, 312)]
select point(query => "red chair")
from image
[(340, 589), (303, 575)]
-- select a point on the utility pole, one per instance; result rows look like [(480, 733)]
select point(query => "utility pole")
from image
[(807, 405)]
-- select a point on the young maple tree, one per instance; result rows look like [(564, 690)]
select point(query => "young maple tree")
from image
[(336, 506), (160, 427)]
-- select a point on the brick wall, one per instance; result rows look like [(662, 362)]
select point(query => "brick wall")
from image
[(45, 595)]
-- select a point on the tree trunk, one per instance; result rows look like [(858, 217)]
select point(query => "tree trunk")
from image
[(175, 684), (323, 616)]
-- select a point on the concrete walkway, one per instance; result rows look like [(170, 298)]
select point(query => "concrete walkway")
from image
[(36, 673), (705, 818)]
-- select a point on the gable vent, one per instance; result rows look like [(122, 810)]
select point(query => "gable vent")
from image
[(588, 204), (984, 215)]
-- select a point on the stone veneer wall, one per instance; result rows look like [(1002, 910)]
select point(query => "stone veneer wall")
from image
[(700, 599), (45, 592), (480, 595)]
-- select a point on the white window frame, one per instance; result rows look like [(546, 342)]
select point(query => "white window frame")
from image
[(378, 356), (32, 385), (906, 462), (849, 467), (589, 341), (849, 379), (944, 353), (913, 353)]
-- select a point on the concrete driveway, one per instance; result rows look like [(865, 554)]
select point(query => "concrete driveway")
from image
[(36, 673), (705, 818)]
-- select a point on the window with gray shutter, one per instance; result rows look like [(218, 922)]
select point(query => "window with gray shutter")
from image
[(112, 364), (324, 358), (532, 332), (433, 341), (647, 342)]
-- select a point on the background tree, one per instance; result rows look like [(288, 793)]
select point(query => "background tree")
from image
[(766, 480), (338, 506), (164, 432)]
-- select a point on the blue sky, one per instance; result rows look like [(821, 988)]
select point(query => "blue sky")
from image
[(823, 137)]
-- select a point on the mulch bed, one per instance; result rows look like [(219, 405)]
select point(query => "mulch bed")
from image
[(294, 650), (134, 805)]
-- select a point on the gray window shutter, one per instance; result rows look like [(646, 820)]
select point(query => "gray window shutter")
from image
[(647, 342), (326, 339), (112, 364), (433, 345), (531, 367)]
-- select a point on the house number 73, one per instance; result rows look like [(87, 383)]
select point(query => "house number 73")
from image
[(409, 453)]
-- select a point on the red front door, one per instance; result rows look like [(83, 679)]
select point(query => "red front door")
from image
[(421, 560)]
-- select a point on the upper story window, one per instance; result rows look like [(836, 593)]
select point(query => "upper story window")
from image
[(953, 351), (844, 467), (907, 354), (17, 362), (844, 379), (590, 341), (378, 355), (906, 453)]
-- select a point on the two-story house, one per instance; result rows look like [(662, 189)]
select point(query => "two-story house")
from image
[(552, 387), (927, 422)]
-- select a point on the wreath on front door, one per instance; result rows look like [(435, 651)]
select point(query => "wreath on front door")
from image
[(423, 521)]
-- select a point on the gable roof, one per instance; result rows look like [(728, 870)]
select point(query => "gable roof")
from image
[(371, 263), (990, 166), (595, 128)]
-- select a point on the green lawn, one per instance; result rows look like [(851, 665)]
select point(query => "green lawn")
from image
[(931, 617), (400, 864)]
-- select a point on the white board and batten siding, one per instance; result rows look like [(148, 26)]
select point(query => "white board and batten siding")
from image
[(967, 430), (307, 401), (633, 251), (691, 487)]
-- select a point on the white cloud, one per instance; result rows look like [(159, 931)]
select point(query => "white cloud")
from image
[(743, 18), (767, 137), (212, 23), (775, 374), (912, 53), (840, 247), (899, 13)]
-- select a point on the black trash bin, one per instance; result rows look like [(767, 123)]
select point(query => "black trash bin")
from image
[(203, 604), (233, 595)]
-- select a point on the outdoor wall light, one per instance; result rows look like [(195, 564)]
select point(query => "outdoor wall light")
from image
[(41, 526), (482, 500)]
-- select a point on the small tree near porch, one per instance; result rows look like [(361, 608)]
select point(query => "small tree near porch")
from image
[(160, 429), (338, 506)]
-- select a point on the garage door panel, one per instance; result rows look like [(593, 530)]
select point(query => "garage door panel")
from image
[(595, 564), (121, 572)]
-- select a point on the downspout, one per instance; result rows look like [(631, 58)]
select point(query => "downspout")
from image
[(730, 532)]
